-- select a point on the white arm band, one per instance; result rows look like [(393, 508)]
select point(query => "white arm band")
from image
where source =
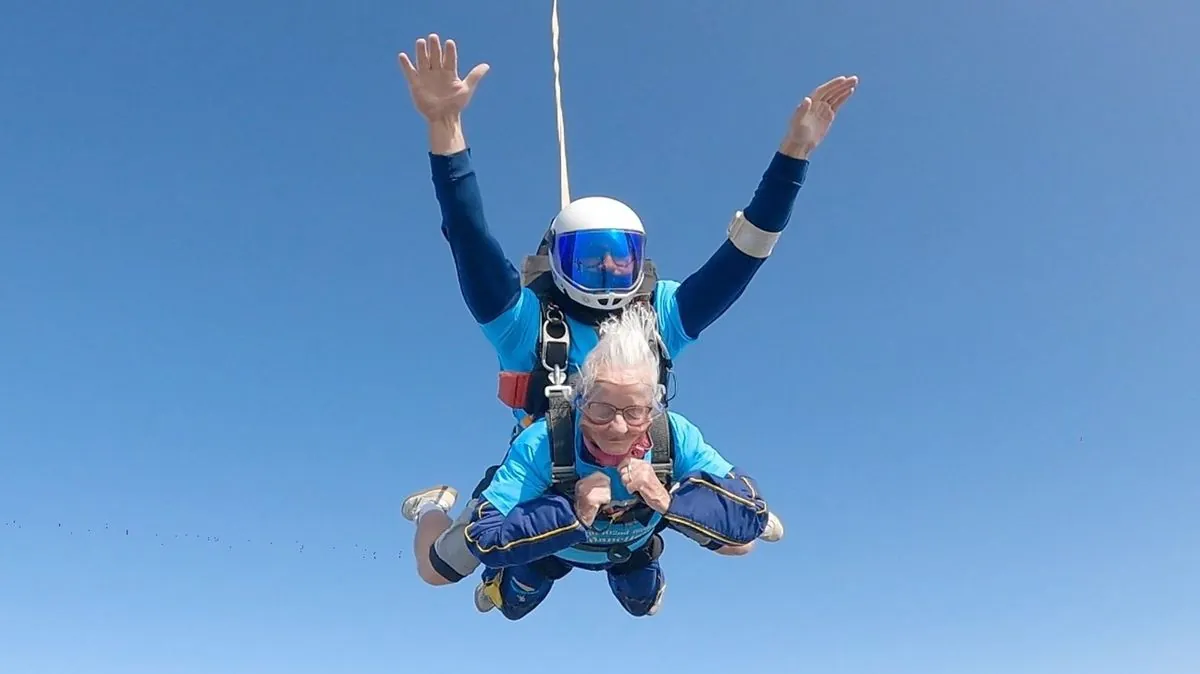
[(749, 239)]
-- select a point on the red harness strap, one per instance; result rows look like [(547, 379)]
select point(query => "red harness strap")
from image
[(514, 389)]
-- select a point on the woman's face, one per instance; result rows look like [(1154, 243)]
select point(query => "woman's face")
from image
[(617, 413)]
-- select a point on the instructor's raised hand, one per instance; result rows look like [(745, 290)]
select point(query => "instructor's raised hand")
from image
[(437, 91), (814, 116)]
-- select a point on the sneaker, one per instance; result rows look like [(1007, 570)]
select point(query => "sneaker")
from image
[(662, 593), (483, 603), (442, 496), (774, 530)]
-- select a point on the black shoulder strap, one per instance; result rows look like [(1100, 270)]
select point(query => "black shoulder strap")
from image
[(560, 424), (662, 448)]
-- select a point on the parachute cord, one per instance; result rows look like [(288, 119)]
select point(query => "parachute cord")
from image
[(562, 134)]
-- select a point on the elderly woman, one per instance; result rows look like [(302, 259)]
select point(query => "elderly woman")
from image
[(528, 533)]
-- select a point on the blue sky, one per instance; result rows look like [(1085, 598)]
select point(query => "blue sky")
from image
[(964, 380)]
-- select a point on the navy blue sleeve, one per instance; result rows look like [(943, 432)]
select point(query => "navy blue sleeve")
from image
[(708, 293), (717, 510), (531, 530), (489, 282)]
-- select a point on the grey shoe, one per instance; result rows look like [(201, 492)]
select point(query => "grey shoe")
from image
[(774, 530), (483, 603), (443, 496), (662, 593)]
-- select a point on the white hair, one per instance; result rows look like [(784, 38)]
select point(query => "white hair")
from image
[(627, 350)]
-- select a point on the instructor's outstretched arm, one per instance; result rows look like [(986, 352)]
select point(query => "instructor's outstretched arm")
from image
[(489, 282), (708, 293)]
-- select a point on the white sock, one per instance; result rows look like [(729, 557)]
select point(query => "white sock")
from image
[(426, 507)]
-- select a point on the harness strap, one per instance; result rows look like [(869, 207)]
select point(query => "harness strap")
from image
[(662, 449), (554, 347), (560, 424)]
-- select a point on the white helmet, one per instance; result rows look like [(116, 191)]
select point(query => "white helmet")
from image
[(597, 250)]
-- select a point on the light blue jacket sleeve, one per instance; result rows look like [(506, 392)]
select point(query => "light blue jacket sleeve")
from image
[(514, 333), (525, 473), (670, 326)]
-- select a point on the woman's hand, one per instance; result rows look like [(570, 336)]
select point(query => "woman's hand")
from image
[(813, 117), (638, 477), (591, 493)]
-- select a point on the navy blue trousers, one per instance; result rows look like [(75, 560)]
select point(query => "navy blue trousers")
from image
[(636, 584)]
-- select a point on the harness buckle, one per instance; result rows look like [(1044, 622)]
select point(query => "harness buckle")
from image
[(555, 351), (619, 554), (556, 342), (558, 387)]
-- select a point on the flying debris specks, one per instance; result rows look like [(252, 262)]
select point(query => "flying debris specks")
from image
[(188, 538)]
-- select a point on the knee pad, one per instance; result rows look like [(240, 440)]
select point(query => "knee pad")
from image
[(449, 555)]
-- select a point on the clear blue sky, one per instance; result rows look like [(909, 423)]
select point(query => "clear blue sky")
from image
[(967, 380)]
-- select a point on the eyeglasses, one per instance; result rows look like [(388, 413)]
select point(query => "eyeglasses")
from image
[(618, 264), (602, 413)]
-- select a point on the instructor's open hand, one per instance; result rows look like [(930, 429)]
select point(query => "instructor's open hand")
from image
[(813, 117), (437, 91)]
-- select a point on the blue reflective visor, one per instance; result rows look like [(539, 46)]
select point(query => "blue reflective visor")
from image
[(601, 260)]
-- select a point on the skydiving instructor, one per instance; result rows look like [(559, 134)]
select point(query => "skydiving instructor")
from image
[(491, 284)]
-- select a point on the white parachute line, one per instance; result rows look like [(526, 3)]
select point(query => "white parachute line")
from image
[(562, 133)]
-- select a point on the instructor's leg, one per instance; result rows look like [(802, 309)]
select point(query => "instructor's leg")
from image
[(639, 584), (517, 590), (640, 591)]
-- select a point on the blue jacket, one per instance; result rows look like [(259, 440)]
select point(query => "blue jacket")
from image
[(519, 519)]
